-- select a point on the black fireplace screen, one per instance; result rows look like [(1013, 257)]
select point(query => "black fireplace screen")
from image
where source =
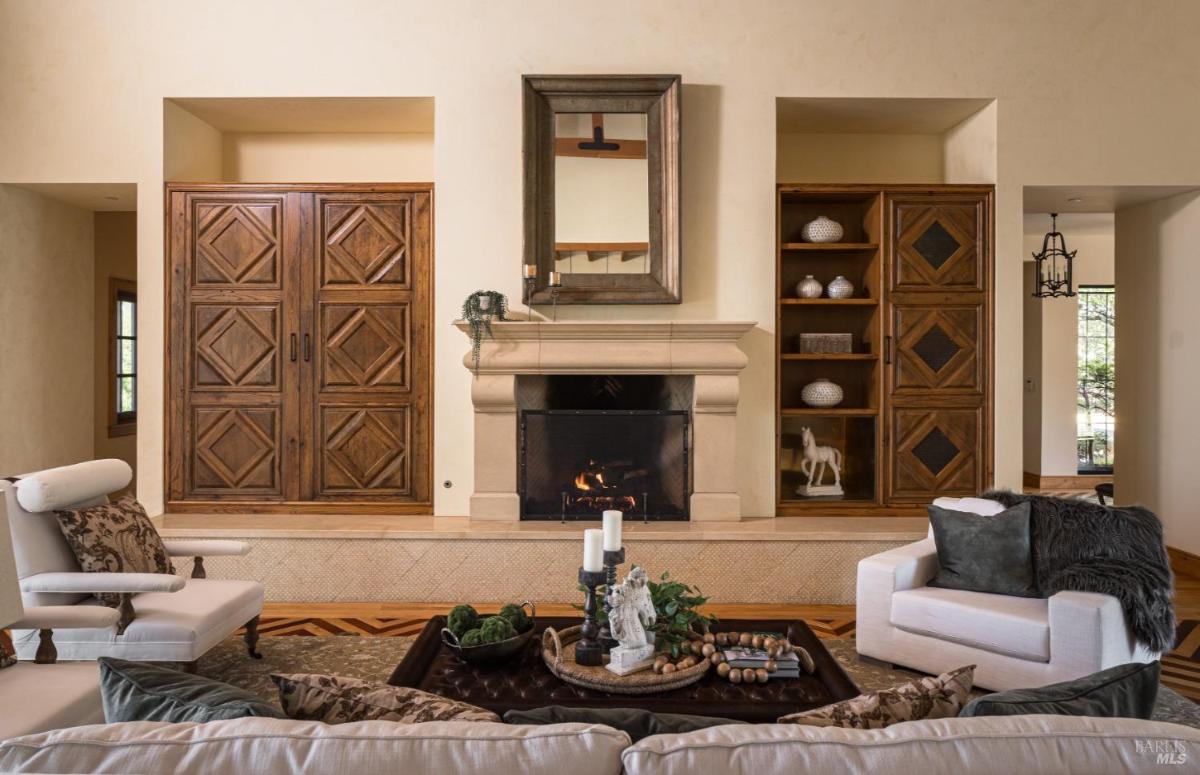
[(575, 464)]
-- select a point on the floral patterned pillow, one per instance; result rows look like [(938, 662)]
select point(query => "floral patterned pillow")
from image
[(941, 697), (337, 699), (8, 654), (114, 537)]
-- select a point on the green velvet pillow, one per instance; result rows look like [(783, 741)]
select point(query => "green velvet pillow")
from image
[(137, 691), (984, 554), (635, 722), (1124, 691)]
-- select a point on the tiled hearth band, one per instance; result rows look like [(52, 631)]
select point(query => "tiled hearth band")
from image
[(707, 352)]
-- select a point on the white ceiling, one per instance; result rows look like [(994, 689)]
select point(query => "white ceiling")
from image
[(873, 115), (313, 114), (1095, 199), (99, 197)]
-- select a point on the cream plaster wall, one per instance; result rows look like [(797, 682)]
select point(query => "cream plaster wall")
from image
[(271, 157), (115, 257), (195, 152), (46, 319), (1057, 320), (1158, 362), (803, 157), (79, 108)]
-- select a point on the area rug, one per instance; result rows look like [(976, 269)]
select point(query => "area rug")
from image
[(373, 658)]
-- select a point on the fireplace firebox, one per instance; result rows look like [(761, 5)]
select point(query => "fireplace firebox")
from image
[(592, 443)]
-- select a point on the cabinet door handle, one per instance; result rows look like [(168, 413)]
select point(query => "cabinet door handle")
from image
[(293, 348), (887, 349), (307, 349)]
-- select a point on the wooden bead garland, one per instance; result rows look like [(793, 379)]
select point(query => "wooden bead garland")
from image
[(708, 647)]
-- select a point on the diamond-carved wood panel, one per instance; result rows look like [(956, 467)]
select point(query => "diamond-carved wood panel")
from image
[(235, 451), (936, 453), (235, 346), (365, 244), (938, 247), (938, 348), (236, 244), (365, 450), (365, 346)]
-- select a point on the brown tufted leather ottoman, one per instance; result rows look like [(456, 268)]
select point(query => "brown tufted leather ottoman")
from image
[(526, 683)]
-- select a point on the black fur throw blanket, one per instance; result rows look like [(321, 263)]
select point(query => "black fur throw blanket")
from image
[(1085, 547)]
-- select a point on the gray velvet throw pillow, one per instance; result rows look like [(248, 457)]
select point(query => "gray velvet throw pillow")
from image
[(1124, 691), (984, 554), (137, 691), (635, 722)]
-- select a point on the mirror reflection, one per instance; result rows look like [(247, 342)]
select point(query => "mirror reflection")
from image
[(601, 193)]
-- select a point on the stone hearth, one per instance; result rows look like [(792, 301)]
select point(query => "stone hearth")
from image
[(706, 351)]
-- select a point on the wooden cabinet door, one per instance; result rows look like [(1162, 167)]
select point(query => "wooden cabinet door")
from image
[(368, 361), (230, 420), (935, 452), (937, 351), (939, 242)]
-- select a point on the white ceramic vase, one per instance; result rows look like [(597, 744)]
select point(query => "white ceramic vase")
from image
[(840, 288), (809, 288), (822, 230), (821, 393)]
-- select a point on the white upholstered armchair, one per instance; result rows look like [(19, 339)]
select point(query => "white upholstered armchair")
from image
[(162, 617), (1015, 642)]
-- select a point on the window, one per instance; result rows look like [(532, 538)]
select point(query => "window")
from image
[(122, 357), (1095, 417)]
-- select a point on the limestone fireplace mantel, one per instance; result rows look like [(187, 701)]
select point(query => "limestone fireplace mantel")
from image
[(705, 350)]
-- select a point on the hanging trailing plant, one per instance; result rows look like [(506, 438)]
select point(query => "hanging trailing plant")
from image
[(479, 310)]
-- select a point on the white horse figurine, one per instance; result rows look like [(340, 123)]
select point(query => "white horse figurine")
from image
[(817, 458), (631, 611)]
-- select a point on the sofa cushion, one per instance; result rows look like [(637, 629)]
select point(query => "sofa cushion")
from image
[(635, 722), (264, 745), (940, 697), (114, 538), (168, 626), (138, 691), (958, 746), (984, 553), (1012, 626), (337, 699), (48, 697), (1124, 691)]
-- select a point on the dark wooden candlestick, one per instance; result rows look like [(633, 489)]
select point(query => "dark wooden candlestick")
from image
[(611, 561), (589, 651)]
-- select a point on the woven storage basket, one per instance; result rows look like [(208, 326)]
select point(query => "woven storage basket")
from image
[(558, 651)]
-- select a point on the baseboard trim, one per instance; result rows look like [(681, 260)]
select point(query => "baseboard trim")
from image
[(1184, 562), (1083, 482)]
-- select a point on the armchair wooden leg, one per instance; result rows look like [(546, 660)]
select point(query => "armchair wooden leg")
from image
[(126, 611), (189, 667), (46, 653), (198, 571), (251, 638)]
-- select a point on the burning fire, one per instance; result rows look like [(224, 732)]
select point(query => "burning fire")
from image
[(596, 478)]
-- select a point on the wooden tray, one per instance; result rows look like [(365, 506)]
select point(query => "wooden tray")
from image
[(558, 651)]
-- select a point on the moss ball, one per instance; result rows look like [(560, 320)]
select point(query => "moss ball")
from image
[(516, 616), (462, 619), (495, 629), (472, 638)]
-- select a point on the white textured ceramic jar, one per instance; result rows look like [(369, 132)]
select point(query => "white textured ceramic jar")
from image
[(809, 288), (840, 288), (821, 393), (822, 230)]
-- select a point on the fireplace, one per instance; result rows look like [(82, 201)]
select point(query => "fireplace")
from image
[(589, 443)]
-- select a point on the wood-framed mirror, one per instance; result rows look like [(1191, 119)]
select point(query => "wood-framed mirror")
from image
[(602, 187)]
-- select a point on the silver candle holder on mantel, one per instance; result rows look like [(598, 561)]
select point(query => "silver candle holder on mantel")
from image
[(555, 283)]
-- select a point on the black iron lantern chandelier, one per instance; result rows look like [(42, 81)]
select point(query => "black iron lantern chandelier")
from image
[(1054, 264)]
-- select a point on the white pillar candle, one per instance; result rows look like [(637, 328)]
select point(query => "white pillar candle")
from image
[(593, 552), (612, 531)]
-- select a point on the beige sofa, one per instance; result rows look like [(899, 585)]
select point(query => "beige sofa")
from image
[(980, 746)]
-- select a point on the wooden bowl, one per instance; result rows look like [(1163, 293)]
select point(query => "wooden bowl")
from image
[(492, 653)]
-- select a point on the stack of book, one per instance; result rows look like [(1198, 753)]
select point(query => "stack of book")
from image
[(787, 665)]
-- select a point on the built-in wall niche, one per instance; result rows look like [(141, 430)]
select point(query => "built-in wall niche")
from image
[(298, 139), (885, 140)]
